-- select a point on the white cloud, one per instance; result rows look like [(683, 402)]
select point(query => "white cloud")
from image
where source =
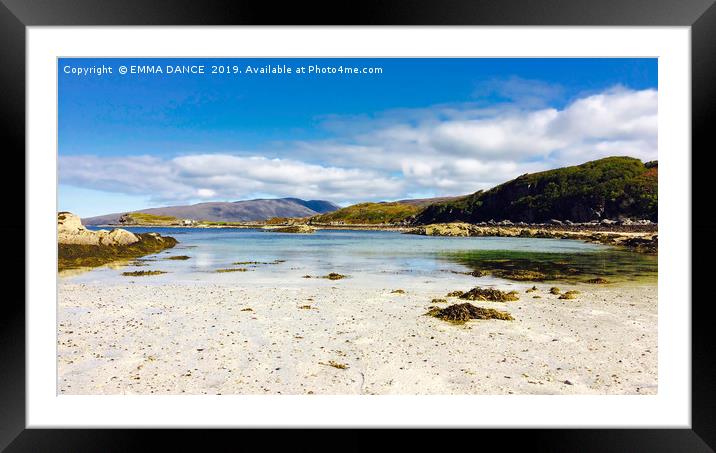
[(446, 150), (509, 141), (222, 176), (205, 193)]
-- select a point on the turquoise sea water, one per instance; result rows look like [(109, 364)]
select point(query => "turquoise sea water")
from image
[(374, 257)]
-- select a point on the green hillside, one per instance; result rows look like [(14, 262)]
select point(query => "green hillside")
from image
[(369, 214), (141, 218), (606, 188)]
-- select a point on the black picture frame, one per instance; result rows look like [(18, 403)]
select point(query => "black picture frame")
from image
[(16, 15)]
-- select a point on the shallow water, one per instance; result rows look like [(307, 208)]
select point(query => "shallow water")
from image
[(367, 257)]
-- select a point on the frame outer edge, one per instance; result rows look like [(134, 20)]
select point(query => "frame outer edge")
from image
[(12, 319), (703, 111), (12, 33), (367, 12)]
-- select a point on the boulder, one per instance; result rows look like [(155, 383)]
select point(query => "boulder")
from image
[(69, 223), (71, 231), (121, 237)]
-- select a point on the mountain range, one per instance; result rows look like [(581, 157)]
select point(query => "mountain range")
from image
[(236, 211), (608, 188)]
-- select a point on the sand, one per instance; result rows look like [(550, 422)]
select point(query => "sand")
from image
[(144, 338)]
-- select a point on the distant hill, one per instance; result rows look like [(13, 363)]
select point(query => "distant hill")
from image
[(237, 211), (319, 206), (611, 188), (386, 212), (369, 214)]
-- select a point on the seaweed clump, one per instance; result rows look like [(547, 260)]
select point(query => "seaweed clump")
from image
[(489, 294), (335, 276), (457, 293), (569, 295), (142, 273), (334, 364), (554, 290), (235, 269), (179, 257), (522, 275), (598, 281), (478, 273), (398, 291), (461, 313)]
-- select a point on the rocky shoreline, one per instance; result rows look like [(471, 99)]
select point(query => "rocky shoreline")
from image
[(79, 247), (640, 241), (639, 235)]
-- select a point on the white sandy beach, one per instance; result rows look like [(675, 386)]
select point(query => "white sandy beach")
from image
[(183, 338)]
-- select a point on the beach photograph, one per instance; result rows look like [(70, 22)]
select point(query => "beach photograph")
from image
[(357, 226)]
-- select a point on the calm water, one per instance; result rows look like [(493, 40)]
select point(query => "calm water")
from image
[(373, 257)]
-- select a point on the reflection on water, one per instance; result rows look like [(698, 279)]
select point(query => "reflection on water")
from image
[(612, 264), (371, 257), (115, 265)]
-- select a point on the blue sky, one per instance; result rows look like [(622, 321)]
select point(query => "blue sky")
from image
[(422, 127)]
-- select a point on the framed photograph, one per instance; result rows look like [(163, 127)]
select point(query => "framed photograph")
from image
[(468, 217)]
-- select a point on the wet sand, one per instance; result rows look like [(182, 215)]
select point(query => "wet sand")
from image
[(228, 338)]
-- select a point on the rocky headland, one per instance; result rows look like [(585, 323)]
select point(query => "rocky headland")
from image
[(80, 247)]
